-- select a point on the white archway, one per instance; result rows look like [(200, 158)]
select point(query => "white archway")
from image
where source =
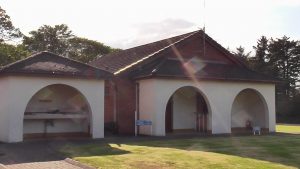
[(154, 95), (249, 109), (57, 109), (219, 95), (188, 110), (20, 89)]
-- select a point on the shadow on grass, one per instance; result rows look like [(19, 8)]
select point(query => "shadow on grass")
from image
[(92, 150), (53, 150), (278, 148)]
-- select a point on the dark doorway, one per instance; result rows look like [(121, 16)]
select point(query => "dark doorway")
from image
[(201, 114), (186, 111), (169, 112)]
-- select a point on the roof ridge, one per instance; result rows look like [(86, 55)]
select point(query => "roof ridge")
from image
[(224, 50), (21, 60), (47, 52), (156, 52), (163, 39), (146, 44), (76, 61)]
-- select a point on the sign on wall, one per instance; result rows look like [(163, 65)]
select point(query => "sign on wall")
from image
[(143, 122)]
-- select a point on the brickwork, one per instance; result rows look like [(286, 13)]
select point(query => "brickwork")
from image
[(194, 47), (124, 91), (125, 105), (109, 101)]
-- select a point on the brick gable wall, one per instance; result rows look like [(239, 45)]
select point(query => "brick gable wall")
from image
[(193, 47)]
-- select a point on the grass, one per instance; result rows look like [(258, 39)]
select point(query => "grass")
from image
[(288, 128), (269, 151)]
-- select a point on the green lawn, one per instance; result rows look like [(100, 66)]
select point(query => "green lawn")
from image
[(288, 128), (269, 151)]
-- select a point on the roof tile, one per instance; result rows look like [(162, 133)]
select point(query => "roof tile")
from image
[(116, 61), (47, 63)]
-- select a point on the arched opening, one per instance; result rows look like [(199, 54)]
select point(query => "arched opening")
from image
[(187, 111), (57, 110), (249, 110)]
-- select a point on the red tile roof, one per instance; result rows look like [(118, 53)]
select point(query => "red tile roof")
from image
[(118, 61), (141, 61)]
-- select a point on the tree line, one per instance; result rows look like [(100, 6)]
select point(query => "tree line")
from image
[(279, 58), (58, 39)]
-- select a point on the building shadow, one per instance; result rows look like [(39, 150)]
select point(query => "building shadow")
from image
[(280, 148), (53, 150)]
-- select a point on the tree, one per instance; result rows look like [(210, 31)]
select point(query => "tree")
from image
[(261, 51), (284, 55), (10, 53), (53, 39), (85, 50), (7, 30), (240, 52), (280, 58), (59, 39), (260, 61)]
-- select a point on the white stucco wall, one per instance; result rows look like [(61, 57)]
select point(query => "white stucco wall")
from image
[(184, 108), (16, 92), (220, 95)]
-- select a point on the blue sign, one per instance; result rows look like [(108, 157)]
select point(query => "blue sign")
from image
[(143, 122)]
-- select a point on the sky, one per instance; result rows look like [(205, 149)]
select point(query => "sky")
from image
[(124, 24)]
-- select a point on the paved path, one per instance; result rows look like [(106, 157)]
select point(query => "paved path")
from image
[(44, 165)]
